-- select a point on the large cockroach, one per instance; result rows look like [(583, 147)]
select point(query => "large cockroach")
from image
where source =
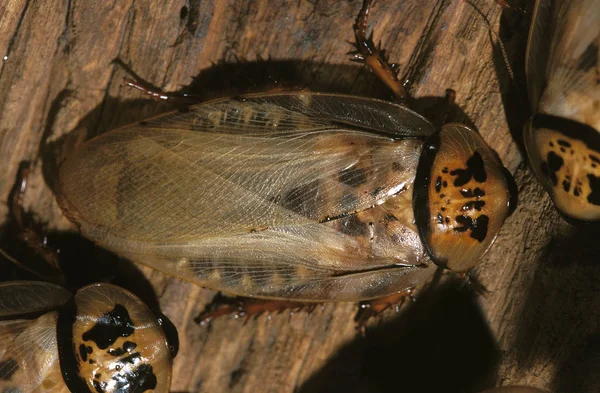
[(301, 196)]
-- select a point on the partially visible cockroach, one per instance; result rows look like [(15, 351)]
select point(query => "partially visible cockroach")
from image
[(563, 77), (300, 196), (102, 339)]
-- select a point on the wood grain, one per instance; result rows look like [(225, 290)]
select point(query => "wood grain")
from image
[(536, 325)]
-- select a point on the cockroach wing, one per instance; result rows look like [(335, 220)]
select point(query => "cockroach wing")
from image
[(258, 196), (28, 348), (563, 64), (231, 167), (30, 297)]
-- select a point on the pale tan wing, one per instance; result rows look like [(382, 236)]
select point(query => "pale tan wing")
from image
[(236, 166), (563, 60), (28, 351), (361, 256), (29, 297)]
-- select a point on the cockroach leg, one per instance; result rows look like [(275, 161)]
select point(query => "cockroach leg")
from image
[(375, 307), (159, 95), (373, 56), (449, 104), (27, 233), (241, 307), (507, 4), (472, 281)]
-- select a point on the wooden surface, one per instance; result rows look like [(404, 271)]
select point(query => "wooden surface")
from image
[(537, 324)]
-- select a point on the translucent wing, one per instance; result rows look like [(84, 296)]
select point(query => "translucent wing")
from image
[(30, 297), (28, 351), (301, 196), (233, 167), (563, 63)]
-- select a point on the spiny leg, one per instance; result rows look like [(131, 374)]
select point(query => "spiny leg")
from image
[(447, 109), (508, 5), (373, 56), (27, 233), (374, 307), (159, 95), (240, 307)]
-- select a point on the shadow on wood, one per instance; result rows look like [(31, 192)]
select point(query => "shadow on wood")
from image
[(439, 343)]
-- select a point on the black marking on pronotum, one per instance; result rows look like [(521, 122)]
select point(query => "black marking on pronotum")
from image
[(475, 170), (139, 380), (109, 327), (563, 143), (477, 205), (7, 368), (551, 165), (469, 193), (421, 206), (84, 350), (594, 196), (477, 226), (438, 184), (570, 128), (69, 365), (128, 346)]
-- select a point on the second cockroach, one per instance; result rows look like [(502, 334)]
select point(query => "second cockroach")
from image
[(102, 339), (563, 76)]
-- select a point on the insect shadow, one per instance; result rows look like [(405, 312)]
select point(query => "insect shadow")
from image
[(558, 322), (439, 343)]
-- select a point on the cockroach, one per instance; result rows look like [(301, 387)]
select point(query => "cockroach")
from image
[(562, 137), (300, 196), (101, 339)]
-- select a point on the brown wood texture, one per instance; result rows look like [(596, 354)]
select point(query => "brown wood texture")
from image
[(537, 323)]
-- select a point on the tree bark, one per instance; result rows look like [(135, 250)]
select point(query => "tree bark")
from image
[(537, 322)]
